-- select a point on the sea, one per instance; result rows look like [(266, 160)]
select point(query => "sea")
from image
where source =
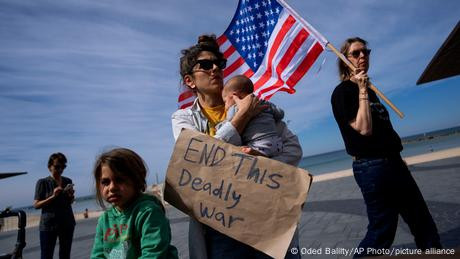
[(328, 162), (412, 146)]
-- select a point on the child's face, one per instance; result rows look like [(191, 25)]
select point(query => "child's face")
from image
[(227, 96), (118, 191)]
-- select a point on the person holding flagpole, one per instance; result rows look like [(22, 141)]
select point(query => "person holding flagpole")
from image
[(386, 183), (201, 69)]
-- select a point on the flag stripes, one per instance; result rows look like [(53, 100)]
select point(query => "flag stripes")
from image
[(269, 44)]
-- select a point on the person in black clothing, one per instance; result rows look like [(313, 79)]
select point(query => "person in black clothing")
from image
[(386, 183), (54, 195)]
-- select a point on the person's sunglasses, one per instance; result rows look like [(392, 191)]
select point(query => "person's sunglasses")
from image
[(208, 64), (358, 52), (59, 167)]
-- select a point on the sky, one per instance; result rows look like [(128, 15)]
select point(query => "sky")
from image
[(83, 76)]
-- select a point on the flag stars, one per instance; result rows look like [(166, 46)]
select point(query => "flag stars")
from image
[(251, 30)]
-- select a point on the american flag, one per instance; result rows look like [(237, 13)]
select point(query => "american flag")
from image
[(271, 44)]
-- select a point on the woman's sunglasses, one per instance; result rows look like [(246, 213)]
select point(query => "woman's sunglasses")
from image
[(358, 52), (59, 167), (208, 64)]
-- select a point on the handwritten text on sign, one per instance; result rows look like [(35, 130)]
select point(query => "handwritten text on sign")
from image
[(236, 193)]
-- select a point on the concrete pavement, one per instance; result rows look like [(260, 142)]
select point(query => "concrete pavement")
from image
[(333, 218)]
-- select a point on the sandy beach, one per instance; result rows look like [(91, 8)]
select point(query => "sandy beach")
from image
[(34, 220), (412, 160)]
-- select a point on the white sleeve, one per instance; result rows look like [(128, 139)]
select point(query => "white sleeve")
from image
[(226, 132), (181, 121)]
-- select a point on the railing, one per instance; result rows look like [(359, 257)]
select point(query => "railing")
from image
[(21, 240)]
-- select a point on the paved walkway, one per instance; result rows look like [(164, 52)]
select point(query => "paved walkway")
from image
[(334, 216)]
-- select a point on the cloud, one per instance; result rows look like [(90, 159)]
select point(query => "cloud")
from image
[(81, 76)]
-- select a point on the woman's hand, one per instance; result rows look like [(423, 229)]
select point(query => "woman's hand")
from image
[(248, 107), (38, 204), (361, 79), (251, 151), (71, 194), (57, 191)]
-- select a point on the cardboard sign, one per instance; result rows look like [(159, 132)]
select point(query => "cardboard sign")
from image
[(252, 199)]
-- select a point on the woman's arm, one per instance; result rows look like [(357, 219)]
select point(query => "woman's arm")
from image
[(38, 204), (185, 119), (248, 107), (363, 121)]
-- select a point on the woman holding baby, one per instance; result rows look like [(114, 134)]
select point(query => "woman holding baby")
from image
[(201, 69)]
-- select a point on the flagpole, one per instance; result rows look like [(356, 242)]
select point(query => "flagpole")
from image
[(339, 55)]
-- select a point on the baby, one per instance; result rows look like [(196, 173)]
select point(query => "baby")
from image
[(260, 134)]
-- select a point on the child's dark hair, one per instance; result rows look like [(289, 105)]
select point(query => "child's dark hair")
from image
[(189, 56), (123, 162), (240, 83), (57, 156)]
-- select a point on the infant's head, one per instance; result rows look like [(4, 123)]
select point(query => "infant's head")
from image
[(240, 86)]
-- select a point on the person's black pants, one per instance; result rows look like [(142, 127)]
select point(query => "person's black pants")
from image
[(48, 242), (389, 190)]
